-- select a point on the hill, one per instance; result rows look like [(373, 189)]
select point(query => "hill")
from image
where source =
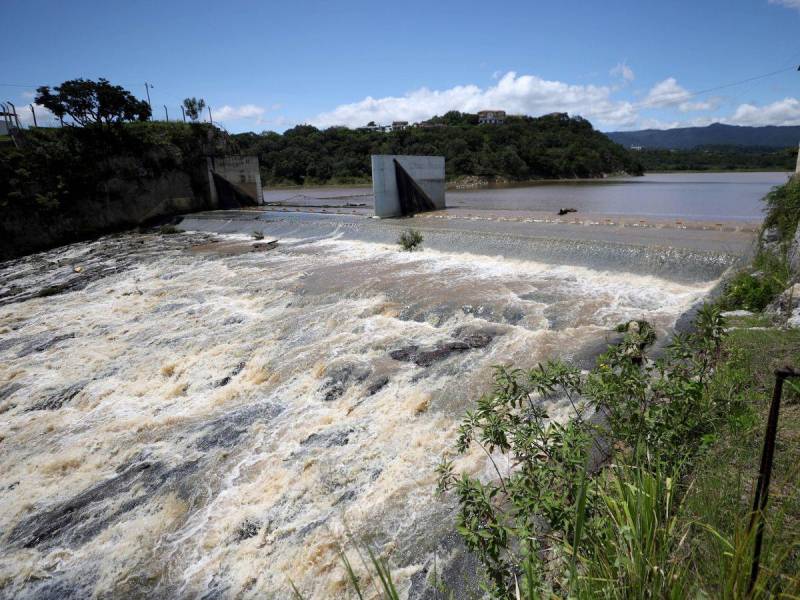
[(717, 134), (550, 147)]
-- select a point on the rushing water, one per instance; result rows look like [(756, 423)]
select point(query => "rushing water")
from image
[(704, 196), (192, 418)]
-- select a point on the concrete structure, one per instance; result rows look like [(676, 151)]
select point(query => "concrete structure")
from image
[(427, 173), (491, 117), (241, 172), (399, 125), (797, 168)]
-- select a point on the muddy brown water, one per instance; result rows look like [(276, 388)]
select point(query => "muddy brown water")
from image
[(190, 416)]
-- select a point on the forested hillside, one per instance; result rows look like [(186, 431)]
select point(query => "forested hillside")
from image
[(684, 138), (719, 158), (549, 147)]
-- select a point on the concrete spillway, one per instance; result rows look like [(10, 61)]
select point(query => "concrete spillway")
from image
[(204, 416), (674, 253)]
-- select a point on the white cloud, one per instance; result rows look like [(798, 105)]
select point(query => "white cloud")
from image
[(623, 71), (28, 95), (666, 93), (44, 118), (782, 112), (232, 113), (710, 104), (670, 94), (787, 3), (516, 94)]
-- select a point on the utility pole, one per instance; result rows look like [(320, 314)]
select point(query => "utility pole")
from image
[(183, 112), (210, 120), (166, 113), (147, 87), (33, 112)]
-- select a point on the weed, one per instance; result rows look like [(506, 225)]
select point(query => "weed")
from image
[(410, 240)]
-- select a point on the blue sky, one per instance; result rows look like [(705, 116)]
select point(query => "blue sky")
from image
[(271, 65)]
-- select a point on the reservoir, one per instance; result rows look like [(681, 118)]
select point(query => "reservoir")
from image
[(697, 196)]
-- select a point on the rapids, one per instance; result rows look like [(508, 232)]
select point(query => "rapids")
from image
[(185, 416)]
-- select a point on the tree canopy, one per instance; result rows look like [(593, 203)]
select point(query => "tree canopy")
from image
[(87, 102), (548, 147), (193, 107)]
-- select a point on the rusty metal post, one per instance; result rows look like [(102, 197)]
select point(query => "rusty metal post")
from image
[(765, 470), (16, 117)]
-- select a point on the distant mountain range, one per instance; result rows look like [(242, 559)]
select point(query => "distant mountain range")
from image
[(685, 138)]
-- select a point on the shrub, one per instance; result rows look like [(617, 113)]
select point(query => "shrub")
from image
[(410, 240), (783, 208), (754, 291), (257, 235), (542, 515)]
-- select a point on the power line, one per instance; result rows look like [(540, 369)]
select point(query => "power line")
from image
[(677, 97)]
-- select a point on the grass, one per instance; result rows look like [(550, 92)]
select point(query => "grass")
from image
[(756, 287), (721, 488), (378, 584)]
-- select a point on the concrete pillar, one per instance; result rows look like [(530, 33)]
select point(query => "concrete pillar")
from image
[(427, 172), (797, 168), (242, 173)]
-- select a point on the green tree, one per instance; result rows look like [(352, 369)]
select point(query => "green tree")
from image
[(88, 102), (193, 107)]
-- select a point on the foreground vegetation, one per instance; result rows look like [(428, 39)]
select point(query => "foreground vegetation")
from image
[(549, 147)]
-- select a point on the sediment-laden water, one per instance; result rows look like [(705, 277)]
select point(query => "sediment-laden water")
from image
[(189, 416)]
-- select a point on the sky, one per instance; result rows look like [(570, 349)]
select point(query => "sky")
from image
[(271, 65)]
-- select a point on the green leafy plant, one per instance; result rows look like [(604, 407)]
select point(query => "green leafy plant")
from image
[(410, 240), (542, 525)]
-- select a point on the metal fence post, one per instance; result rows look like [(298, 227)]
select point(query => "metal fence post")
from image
[(765, 471)]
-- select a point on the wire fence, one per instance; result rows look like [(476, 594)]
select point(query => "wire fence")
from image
[(14, 117)]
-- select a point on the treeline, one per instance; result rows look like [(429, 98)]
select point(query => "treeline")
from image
[(719, 158), (554, 146)]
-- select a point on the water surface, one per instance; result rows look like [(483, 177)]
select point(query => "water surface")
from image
[(691, 196), (199, 419)]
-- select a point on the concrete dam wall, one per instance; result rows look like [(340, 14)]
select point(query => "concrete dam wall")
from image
[(118, 204)]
